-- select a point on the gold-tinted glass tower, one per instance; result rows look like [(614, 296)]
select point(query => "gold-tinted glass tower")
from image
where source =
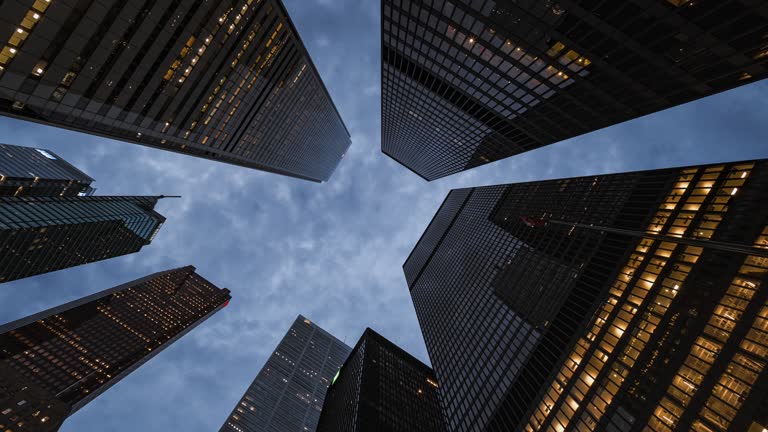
[(624, 302)]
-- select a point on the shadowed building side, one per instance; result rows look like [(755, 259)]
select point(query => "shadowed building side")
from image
[(465, 83), (382, 388)]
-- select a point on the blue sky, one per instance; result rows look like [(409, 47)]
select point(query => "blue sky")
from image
[(333, 251)]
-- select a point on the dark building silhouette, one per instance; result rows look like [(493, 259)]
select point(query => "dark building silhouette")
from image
[(229, 81), (27, 171), (591, 303), (382, 388), (54, 362), (45, 234), (287, 394), (49, 221), (465, 83)]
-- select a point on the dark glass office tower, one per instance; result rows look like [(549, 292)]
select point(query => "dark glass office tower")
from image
[(44, 234), (468, 82), (287, 394), (382, 388), (224, 80), (614, 302), (27, 171), (54, 362)]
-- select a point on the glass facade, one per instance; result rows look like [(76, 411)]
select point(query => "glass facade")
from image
[(229, 81), (468, 82), (287, 394), (56, 361), (382, 388), (27, 171), (577, 327), (44, 234)]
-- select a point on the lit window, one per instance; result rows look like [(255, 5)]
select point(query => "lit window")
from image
[(39, 68)]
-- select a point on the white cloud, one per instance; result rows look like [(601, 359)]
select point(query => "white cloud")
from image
[(333, 251)]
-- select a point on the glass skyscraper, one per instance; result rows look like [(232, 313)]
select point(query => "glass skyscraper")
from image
[(287, 394), (229, 81), (27, 171), (54, 362), (49, 221), (382, 388), (45, 234), (468, 82), (622, 302)]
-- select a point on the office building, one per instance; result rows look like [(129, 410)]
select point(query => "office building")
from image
[(54, 362), (45, 234), (622, 302), (287, 394), (382, 388), (27, 171), (229, 81), (465, 83)]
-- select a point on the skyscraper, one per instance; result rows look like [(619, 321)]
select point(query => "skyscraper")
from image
[(610, 302), (229, 81), (27, 171), (465, 83), (382, 388), (47, 224), (44, 234), (287, 394), (54, 362)]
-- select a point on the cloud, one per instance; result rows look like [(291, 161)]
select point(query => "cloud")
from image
[(332, 252)]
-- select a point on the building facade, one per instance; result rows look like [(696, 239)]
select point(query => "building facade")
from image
[(44, 234), (382, 388), (229, 81), (54, 362), (591, 304), (468, 82), (27, 171), (287, 394)]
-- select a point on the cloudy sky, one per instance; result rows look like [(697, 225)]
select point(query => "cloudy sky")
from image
[(332, 251)]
